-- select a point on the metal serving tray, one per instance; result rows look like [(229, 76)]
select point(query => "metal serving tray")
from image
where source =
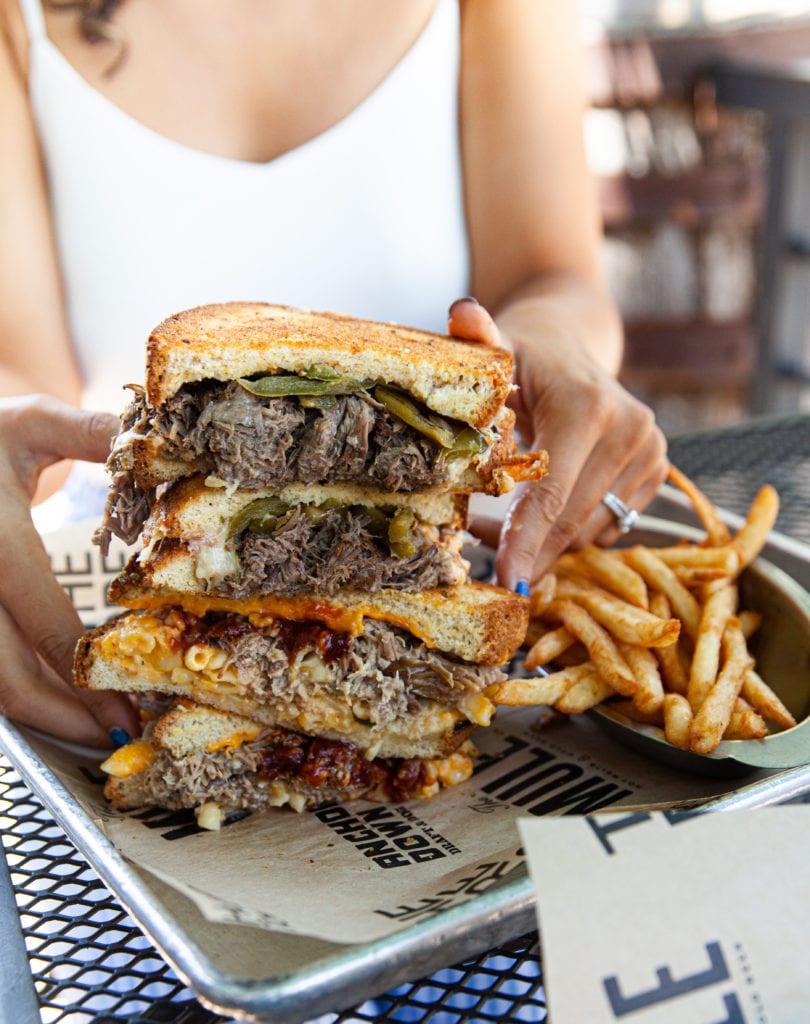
[(267, 976)]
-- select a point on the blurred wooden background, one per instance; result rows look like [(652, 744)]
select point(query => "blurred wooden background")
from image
[(683, 183)]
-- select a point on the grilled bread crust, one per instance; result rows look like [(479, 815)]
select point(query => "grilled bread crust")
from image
[(477, 622), (190, 509), (464, 380)]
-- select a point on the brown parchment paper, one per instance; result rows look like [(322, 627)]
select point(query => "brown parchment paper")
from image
[(360, 871)]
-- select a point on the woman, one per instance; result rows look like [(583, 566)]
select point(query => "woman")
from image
[(374, 156)]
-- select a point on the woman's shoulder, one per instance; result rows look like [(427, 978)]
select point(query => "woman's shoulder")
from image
[(14, 38)]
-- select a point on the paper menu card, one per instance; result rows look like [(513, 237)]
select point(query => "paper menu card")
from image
[(666, 917)]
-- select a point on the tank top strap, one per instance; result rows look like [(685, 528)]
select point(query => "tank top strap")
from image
[(34, 19)]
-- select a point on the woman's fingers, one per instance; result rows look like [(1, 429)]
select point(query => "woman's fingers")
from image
[(599, 438), (590, 452), (31, 694), (116, 713), (37, 430), (467, 319), (545, 516), (37, 621), (635, 486), (631, 464), (39, 627), (29, 591)]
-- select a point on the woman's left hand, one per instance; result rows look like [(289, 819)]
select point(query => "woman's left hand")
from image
[(598, 436)]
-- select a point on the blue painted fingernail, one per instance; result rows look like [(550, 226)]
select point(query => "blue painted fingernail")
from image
[(119, 737), (522, 588)]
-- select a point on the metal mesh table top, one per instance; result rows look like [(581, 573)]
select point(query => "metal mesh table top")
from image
[(731, 464), (91, 962)]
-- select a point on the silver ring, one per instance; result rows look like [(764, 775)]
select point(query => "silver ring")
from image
[(625, 516)]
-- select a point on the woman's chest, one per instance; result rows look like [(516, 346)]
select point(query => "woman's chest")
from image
[(249, 81)]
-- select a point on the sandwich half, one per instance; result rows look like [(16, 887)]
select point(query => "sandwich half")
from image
[(254, 396), (305, 538), (217, 763), (394, 674)]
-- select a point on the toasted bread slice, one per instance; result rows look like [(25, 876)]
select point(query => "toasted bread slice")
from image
[(461, 379), (195, 510), (476, 622)]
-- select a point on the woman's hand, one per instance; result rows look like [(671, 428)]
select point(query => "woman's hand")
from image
[(599, 438), (38, 625)]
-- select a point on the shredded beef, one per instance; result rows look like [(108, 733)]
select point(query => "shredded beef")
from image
[(323, 770), (271, 442), (404, 459), (220, 429), (353, 437), (128, 504), (319, 447), (126, 510), (336, 550), (385, 670), (175, 420), (238, 436)]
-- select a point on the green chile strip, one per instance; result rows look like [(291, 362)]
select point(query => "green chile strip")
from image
[(469, 441), (281, 385), (263, 516), (260, 516), (319, 385), (400, 533), (432, 426)]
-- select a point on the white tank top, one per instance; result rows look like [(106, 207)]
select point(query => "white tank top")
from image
[(366, 218)]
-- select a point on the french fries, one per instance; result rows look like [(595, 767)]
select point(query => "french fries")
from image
[(535, 690), (717, 611), (659, 575), (649, 696), (762, 699), (677, 720), (717, 532), (549, 646), (604, 569), (586, 692), (599, 644), (625, 621), (714, 714), (758, 524), (670, 659), (656, 634)]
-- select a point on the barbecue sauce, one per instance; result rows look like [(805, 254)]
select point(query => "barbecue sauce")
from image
[(295, 636), (324, 763), (220, 629)]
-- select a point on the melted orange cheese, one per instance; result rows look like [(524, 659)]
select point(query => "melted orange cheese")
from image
[(300, 608), (234, 741), (129, 760)]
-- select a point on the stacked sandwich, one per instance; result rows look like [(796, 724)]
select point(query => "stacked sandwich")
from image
[(302, 627)]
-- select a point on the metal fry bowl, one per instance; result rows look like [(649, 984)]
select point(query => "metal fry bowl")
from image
[(781, 647)]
